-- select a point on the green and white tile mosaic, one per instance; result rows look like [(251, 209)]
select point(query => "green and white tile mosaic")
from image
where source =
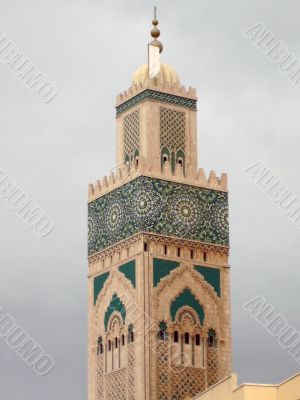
[(158, 206)]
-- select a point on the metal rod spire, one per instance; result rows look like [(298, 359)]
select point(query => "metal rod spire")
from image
[(155, 33)]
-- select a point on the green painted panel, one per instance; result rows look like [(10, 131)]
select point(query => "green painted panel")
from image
[(115, 305), (128, 270), (186, 298), (162, 268), (98, 284), (212, 276)]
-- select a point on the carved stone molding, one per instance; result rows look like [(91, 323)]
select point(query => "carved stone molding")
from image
[(154, 238)]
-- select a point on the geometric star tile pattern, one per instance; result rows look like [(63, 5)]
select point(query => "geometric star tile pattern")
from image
[(158, 206)]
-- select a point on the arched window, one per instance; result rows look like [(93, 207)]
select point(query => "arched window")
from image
[(165, 156), (130, 334), (187, 338), (176, 337), (116, 343), (100, 345), (212, 338), (162, 333), (197, 340), (123, 340), (180, 159), (127, 159), (109, 345)]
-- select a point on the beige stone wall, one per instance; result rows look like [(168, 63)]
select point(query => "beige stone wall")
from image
[(221, 391), (228, 390), (290, 389), (133, 301), (150, 146), (145, 302), (216, 309)]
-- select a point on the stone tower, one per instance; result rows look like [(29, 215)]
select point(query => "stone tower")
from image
[(159, 299)]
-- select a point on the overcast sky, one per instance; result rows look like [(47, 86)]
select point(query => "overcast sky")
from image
[(248, 111)]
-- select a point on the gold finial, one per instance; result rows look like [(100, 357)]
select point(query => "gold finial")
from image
[(155, 33)]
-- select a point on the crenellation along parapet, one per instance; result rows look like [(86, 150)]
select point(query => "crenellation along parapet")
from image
[(156, 84), (131, 171)]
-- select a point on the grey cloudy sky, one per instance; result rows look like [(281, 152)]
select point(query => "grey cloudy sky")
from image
[(248, 111)]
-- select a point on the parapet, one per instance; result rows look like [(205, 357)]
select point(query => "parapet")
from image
[(157, 85), (132, 171)]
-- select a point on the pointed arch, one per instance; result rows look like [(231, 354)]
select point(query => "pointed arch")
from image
[(114, 305), (187, 298), (186, 277), (110, 299)]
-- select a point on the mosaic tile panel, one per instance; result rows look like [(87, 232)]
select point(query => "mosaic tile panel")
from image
[(158, 206), (154, 95)]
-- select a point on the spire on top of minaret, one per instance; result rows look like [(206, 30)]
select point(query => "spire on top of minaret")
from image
[(155, 33), (154, 49)]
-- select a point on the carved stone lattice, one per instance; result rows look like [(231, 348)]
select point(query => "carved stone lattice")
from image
[(131, 372), (100, 370), (172, 129), (186, 381), (212, 366), (131, 134), (163, 370), (116, 385)]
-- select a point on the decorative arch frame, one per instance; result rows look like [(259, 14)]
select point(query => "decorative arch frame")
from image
[(186, 277), (125, 292)]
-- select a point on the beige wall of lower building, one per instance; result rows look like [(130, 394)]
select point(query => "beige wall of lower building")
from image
[(228, 390), (255, 392), (290, 389)]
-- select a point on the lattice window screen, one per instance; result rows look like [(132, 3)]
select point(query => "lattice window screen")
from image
[(131, 134), (119, 384), (212, 366), (186, 382), (177, 382), (116, 385), (172, 129), (163, 370), (131, 372), (100, 381)]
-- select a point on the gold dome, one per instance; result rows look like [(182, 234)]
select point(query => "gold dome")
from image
[(166, 74)]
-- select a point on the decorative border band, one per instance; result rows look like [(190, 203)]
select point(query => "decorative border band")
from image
[(150, 237), (154, 95)]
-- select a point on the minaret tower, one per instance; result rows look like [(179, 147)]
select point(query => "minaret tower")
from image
[(159, 299)]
